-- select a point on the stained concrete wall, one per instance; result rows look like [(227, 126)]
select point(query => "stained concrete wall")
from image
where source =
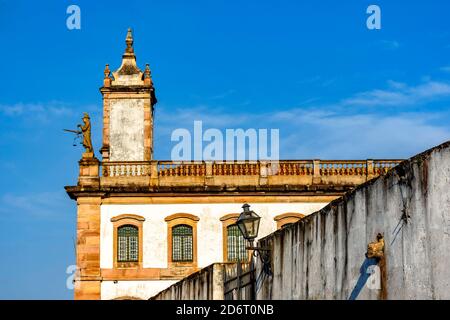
[(126, 137), (206, 284), (323, 255)]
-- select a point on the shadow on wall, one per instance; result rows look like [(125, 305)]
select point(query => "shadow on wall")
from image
[(366, 272)]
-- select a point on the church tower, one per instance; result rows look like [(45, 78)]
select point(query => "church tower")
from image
[(128, 100)]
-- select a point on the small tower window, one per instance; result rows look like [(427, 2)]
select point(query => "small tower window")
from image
[(182, 243), (235, 244), (128, 243)]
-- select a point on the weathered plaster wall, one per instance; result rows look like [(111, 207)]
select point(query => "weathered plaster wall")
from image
[(206, 284), (323, 255), (132, 289), (126, 130), (209, 227)]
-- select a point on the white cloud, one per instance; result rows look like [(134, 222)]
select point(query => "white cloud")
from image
[(19, 109), (397, 85), (338, 130), (326, 133), (48, 204), (46, 112), (36, 111), (363, 136), (400, 94), (378, 97)]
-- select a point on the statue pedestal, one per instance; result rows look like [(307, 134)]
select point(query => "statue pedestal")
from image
[(88, 155), (89, 170)]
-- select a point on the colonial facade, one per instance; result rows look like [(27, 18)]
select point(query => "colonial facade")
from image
[(143, 224)]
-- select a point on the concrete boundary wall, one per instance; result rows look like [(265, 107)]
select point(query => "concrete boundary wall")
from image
[(323, 255), (206, 284)]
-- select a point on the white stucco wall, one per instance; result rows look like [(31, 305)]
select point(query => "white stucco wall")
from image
[(209, 227), (135, 289), (209, 237), (126, 130)]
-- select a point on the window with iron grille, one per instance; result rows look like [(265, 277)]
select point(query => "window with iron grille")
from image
[(235, 244), (182, 243), (127, 243)]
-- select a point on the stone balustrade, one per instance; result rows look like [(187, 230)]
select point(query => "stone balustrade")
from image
[(180, 169), (126, 169), (298, 172)]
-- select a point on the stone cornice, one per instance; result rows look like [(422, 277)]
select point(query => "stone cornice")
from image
[(200, 191)]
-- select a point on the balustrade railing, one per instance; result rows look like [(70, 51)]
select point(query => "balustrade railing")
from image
[(126, 169), (236, 168), (292, 168), (315, 168), (180, 169), (343, 168), (382, 166)]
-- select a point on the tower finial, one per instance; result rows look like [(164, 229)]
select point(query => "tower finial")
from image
[(129, 41), (107, 72), (148, 76), (107, 79), (128, 66), (147, 71)]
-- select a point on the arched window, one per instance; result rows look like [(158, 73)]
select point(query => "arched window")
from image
[(182, 243), (232, 239), (287, 219), (235, 244), (127, 235), (182, 240), (127, 243)]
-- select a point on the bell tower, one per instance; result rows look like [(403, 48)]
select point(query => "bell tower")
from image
[(128, 100)]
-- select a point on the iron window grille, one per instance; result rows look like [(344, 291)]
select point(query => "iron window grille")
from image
[(235, 244), (128, 243), (182, 243)]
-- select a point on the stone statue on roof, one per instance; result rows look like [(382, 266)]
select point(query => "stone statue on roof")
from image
[(86, 131)]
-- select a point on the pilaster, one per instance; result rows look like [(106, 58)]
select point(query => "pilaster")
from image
[(87, 281)]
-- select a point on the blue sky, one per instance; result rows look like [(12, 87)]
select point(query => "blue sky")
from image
[(312, 69)]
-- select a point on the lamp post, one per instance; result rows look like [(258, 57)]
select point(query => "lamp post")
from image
[(248, 224)]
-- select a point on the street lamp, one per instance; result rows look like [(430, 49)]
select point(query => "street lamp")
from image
[(248, 224)]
